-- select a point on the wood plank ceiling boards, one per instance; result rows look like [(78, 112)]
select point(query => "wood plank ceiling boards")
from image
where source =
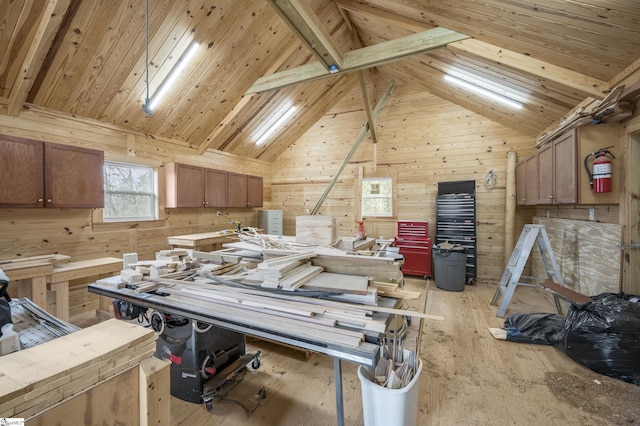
[(85, 60)]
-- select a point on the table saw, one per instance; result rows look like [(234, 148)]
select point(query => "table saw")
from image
[(367, 353)]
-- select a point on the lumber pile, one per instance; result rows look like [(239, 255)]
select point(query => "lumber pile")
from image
[(35, 379), (320, 320), (287, 272)]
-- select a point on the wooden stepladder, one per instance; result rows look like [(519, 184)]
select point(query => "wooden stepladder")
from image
[(513, 272)]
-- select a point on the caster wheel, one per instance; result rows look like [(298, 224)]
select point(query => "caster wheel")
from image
[(209, 405), (255, 364)]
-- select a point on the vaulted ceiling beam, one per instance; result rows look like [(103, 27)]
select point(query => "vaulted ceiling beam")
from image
[(39, 45), (306, 25), (586, 85), (383, 15), (244, 101), (359, 59), (583, 83)]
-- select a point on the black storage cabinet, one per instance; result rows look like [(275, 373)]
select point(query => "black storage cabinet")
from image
[(456, 220)]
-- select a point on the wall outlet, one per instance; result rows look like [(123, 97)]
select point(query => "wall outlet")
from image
[(592, 214)]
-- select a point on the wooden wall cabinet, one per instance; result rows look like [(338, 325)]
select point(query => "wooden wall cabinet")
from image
[(193, 186), (555, 174), (527, 181), (43, 174), (244, 190), (558, 171)]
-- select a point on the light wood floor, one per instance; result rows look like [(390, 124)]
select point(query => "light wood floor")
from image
[(469, 378)]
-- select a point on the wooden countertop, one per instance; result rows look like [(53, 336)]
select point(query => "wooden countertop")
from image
[(193, 240)]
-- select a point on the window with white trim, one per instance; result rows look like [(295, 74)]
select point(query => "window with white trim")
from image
[(377, 197), (129, 192)]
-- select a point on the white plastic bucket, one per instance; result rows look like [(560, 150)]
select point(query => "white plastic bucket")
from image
[(390, 407)]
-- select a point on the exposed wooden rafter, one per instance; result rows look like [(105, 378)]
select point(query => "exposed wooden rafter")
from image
[(587, 85), (244, 101), (354, 148), (306, 25), (359, 59), (42, 39)]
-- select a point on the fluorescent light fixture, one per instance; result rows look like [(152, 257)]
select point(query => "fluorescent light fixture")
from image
[(173, 75), (274, 123), (493, 93)]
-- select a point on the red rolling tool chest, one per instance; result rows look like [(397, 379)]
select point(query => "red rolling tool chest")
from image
[(415, 245)]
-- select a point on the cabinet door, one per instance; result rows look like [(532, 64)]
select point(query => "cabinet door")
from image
[(184, 185), (521, 177), (74, 177), (545, 175), (531, 182), (254, 191), (236, 190), (21, 172), (565, 169), (215, 188)]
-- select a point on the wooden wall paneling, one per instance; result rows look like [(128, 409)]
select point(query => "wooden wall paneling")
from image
[(34, 232), (586, 252), (422, 140)]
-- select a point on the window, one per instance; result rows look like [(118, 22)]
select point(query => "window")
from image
[(377, 197), (129, 192)]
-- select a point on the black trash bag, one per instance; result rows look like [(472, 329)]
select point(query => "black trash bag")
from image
[(604, 336), (541, 329)]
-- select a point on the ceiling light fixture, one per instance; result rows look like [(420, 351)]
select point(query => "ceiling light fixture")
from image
[(173, 75), (477, 86), (274, 123), (145, 106)]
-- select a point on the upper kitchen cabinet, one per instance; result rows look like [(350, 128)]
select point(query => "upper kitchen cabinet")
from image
[(244, 190), (42, 174), (558, 172), (193, 186), (527, 181)]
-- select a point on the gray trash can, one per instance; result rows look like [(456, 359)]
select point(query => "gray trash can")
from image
[(450, 266)]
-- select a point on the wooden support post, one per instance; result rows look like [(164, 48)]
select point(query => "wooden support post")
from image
[(510, 208), (39, 291), (62, 299), (155, 407)]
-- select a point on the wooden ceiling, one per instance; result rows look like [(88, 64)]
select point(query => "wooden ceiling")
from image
[(87, 58)]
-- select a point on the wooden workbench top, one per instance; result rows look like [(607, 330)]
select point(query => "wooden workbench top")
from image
[(191, 240)]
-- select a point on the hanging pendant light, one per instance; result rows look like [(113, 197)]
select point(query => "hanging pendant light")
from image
[(146, 107)]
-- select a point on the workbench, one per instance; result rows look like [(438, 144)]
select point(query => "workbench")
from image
[(366, 354), (206, 241), (50, 273)]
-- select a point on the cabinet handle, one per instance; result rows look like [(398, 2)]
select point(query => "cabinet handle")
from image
[(550, 196), (204, 203), (40, 200), (49, 200)]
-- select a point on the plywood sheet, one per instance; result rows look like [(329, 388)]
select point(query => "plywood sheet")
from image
[(586, 252), (327, 281), (317, 229)]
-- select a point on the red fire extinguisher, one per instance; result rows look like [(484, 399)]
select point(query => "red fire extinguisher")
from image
[(600, 179)]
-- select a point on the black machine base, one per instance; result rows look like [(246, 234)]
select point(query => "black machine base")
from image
[(198, 352)]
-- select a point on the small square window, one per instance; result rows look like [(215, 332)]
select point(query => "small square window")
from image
[(129, 192), (377, 197)]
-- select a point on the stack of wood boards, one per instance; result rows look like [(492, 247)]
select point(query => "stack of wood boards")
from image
[(35, 379), (333, 260), (286, 272), (328, 322)]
